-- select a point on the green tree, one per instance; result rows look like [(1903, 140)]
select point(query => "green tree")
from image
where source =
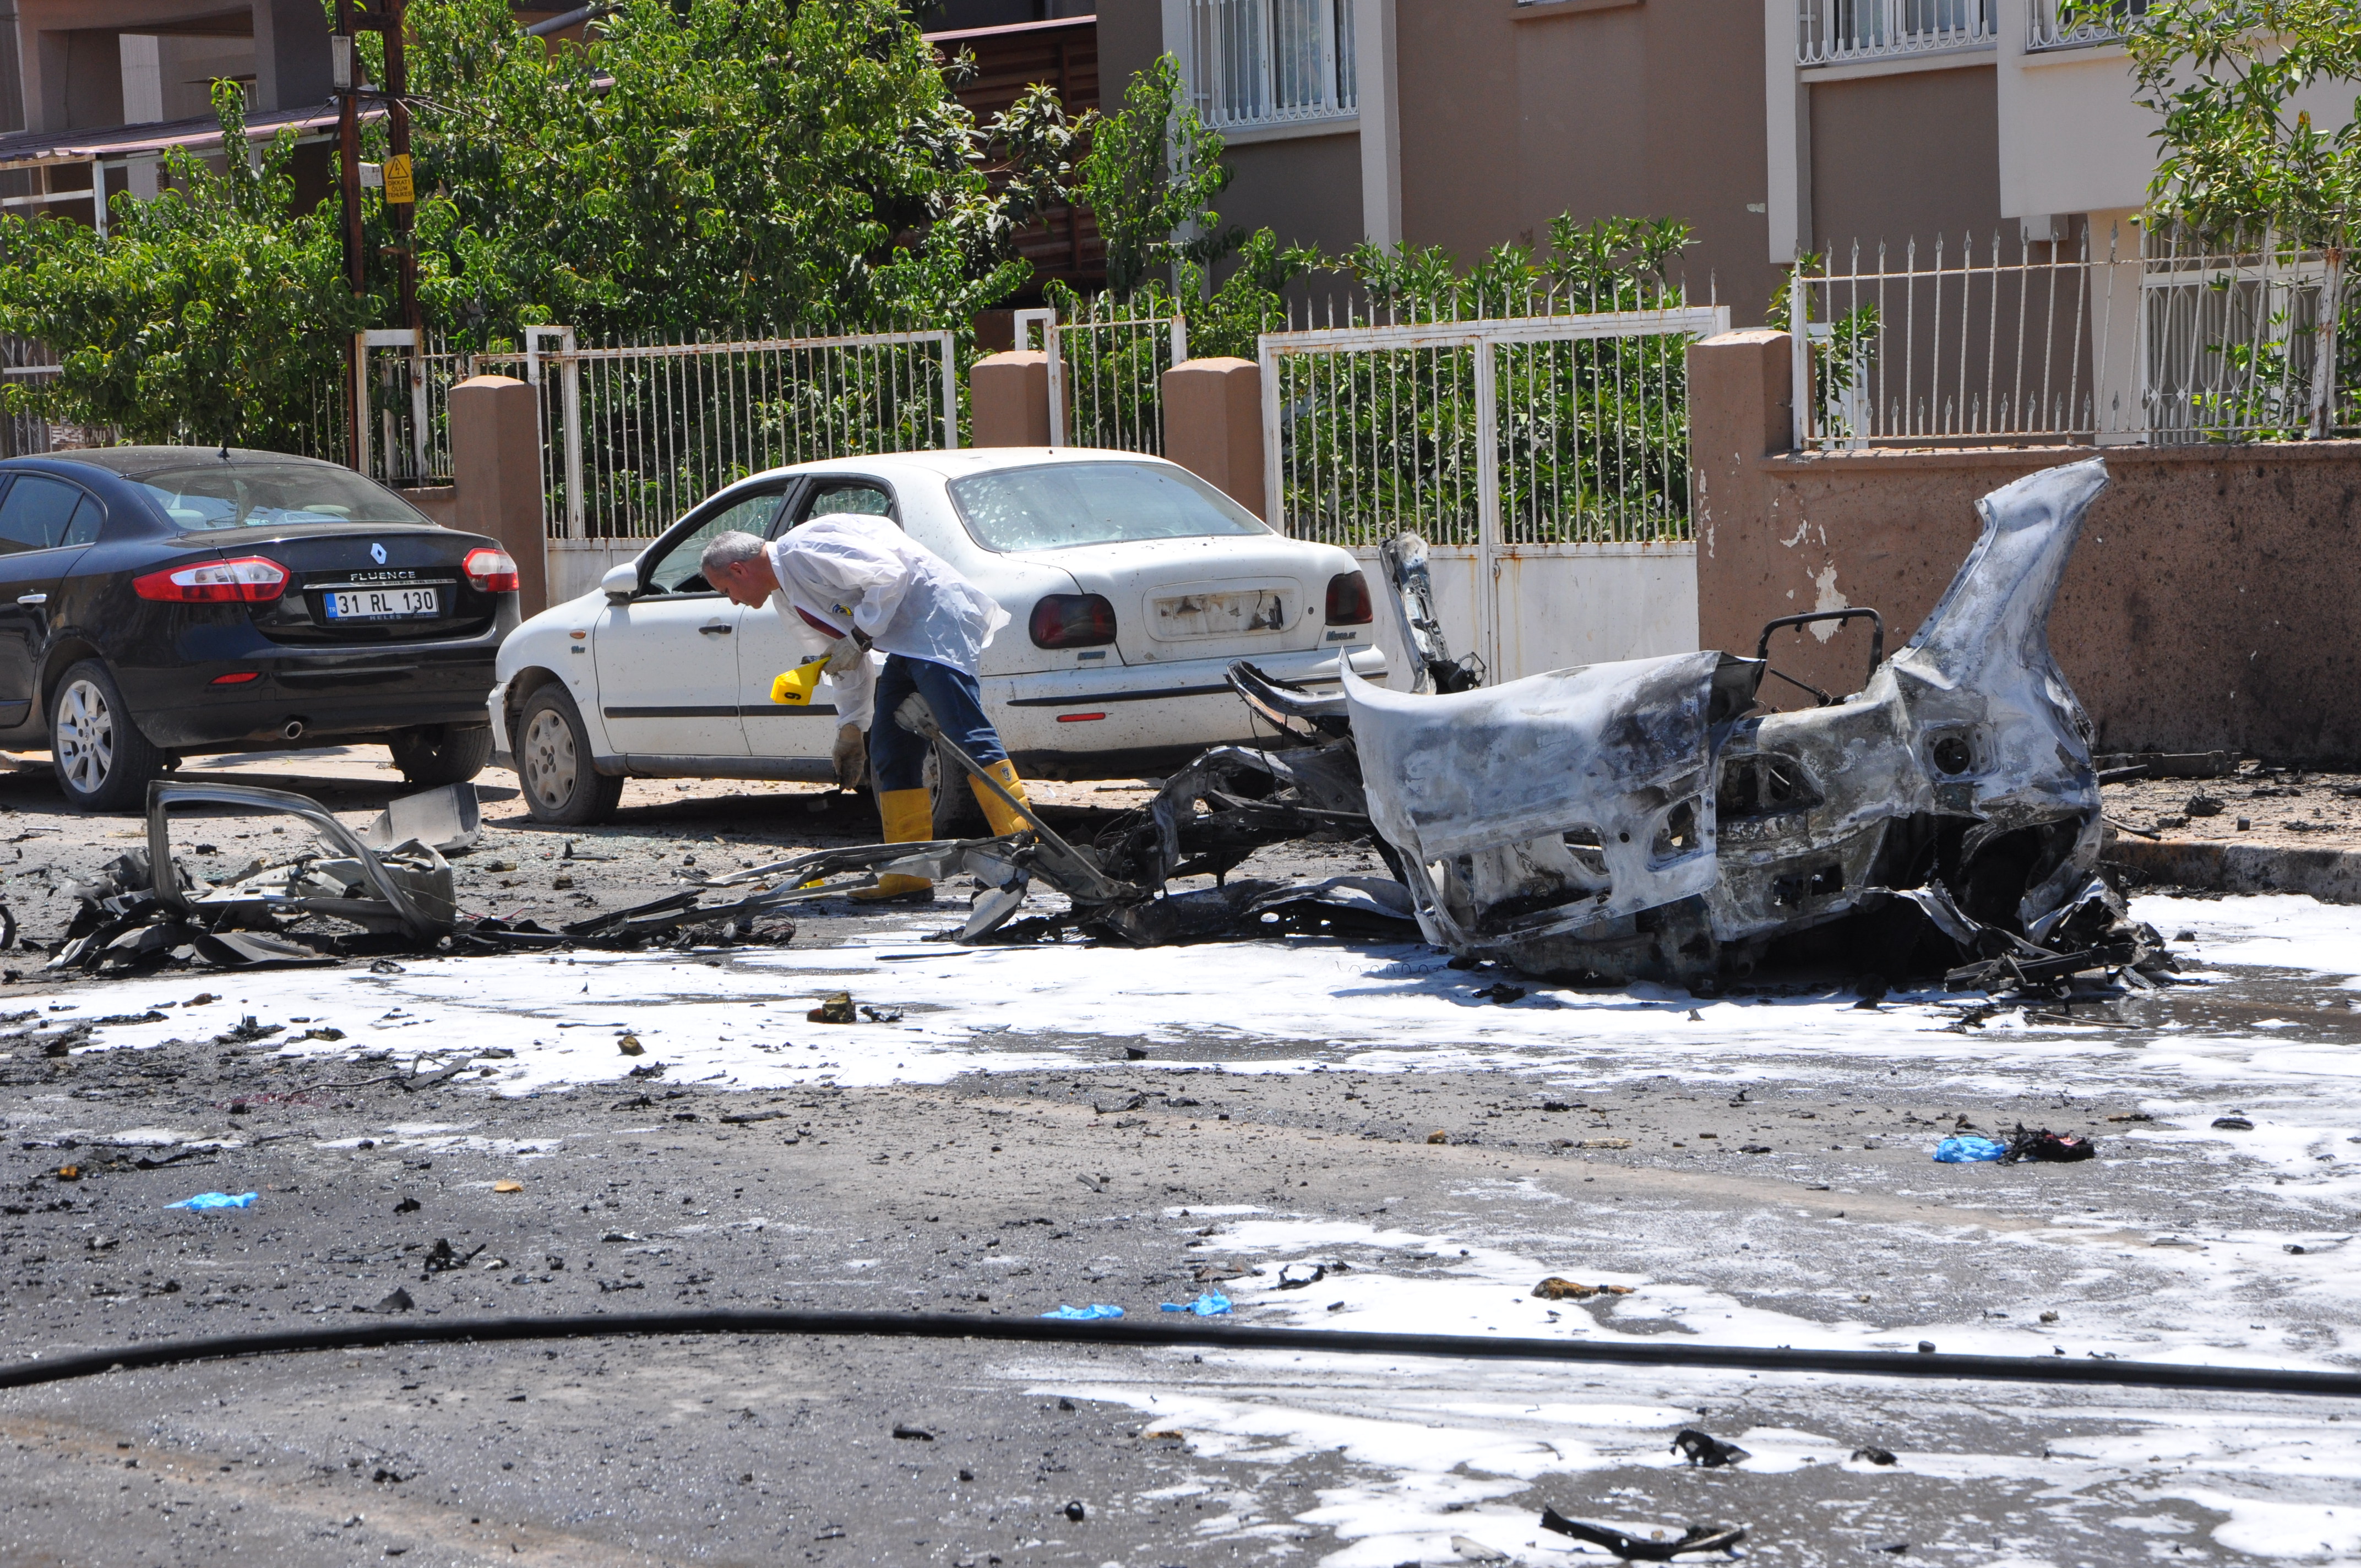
[(2236, 156), (1153, 170), (699, 164), (210, 313)]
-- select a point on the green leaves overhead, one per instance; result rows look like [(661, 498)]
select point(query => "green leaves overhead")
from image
[(769, 164), (208, 314), (2238, 155)]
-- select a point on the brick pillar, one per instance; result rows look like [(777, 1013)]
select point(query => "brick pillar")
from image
[(1008, 397), (495, 468), (1212, 425), (1740, 396)]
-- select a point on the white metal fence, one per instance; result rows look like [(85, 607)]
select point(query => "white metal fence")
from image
[(404, 385), (1106, 369), (2102, 339), (1829, 32), (1263, 62), (635, 434), (2046, 27), (1514, 438)]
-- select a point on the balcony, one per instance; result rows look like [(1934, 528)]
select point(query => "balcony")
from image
[(1257, 63), (1840, 32), (2046, 28)]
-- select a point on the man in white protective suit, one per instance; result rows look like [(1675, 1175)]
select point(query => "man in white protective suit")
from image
[(852, 583)]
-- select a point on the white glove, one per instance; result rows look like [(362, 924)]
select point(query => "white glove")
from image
[(844, 656), (851, 756)]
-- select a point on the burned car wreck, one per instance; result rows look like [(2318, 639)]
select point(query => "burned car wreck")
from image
[(1640, 820), (1647, 820)]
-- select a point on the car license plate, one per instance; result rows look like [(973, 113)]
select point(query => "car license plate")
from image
[(383, 604)]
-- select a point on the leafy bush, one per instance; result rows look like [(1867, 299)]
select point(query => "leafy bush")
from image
[(208, 314)]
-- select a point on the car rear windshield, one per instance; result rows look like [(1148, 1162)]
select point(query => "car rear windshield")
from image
[(270, 495), (1062, 504)]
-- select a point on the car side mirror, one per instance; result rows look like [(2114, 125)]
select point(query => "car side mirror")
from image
[(621, 582)]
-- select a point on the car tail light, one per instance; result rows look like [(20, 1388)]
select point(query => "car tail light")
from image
[(1348, 600), (250, 579), (490, 571), (1073, 620)]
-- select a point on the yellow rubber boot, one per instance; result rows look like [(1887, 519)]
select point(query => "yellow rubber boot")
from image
[(997, 811), (910, 818)]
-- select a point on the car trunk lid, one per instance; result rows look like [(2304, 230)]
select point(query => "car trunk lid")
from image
[(1203, 599), (383, 584)]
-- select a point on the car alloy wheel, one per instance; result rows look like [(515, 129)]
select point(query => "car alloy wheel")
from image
[(85, 738), (551, 767)]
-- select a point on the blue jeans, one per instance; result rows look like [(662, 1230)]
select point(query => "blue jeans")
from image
[(897, 759)]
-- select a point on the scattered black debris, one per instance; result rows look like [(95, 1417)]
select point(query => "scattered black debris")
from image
[(407, 1206), (2234, 1124), (1704, 1449), (1503, 994), (912, 1434), (1895, 1548), (881, 1015), (441, 1258), (1875, 1456), (1302, 1276), (2044, 1145), (1696, 1537)]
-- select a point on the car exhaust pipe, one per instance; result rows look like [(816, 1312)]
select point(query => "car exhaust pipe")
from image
[(293, 729)]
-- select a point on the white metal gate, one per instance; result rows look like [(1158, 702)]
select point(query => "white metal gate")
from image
[(1107, 371), (633, 435), (1549, 452)]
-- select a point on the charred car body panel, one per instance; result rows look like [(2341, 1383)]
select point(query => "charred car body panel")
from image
[(1629, 821)]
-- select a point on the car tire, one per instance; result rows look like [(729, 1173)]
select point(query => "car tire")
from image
[(553, 763), (957, 813), (103, 762), (434, 755)]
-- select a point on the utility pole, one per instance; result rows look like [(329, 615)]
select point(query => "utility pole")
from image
[(400, 190), (344, 69)]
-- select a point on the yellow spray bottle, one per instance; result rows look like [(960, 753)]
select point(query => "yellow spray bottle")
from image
[(794, 687)]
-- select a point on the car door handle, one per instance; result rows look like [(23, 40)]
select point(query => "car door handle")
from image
[(32, 599), (714, 630)]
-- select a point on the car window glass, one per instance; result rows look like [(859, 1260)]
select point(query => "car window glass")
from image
[(858, 497), (270, 495), (1059, 506), (35, 513), (682, 568), (83, 529)]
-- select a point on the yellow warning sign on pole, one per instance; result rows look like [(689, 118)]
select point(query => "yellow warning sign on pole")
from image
[(398, 190)]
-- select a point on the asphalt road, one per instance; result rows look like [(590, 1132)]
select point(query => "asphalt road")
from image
[(1134, 1182)]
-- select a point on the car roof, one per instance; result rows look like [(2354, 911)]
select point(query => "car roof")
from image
[(133, 461), (960, 464)]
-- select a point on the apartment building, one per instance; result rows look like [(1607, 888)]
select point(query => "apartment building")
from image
[(1468, 122), (91, 91)]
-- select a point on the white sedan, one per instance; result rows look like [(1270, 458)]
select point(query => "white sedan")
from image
[(1130, 584)]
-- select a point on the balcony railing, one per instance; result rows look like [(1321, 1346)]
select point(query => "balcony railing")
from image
[(1834, 32), (2045, 27), (1271, 62)]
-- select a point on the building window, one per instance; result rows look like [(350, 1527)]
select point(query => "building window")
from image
[(1271, 62), (1832, 31)]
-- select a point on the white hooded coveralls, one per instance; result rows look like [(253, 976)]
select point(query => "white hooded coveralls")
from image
[(852, 571)]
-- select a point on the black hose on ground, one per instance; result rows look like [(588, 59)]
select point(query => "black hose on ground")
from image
[(1193, 1332)]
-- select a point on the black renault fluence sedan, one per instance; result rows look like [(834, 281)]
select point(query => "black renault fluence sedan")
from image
[(160, 601)]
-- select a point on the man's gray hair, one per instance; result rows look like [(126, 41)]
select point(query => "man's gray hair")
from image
[(724, 551)]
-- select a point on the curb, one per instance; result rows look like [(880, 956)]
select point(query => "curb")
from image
[(2333, 876)]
